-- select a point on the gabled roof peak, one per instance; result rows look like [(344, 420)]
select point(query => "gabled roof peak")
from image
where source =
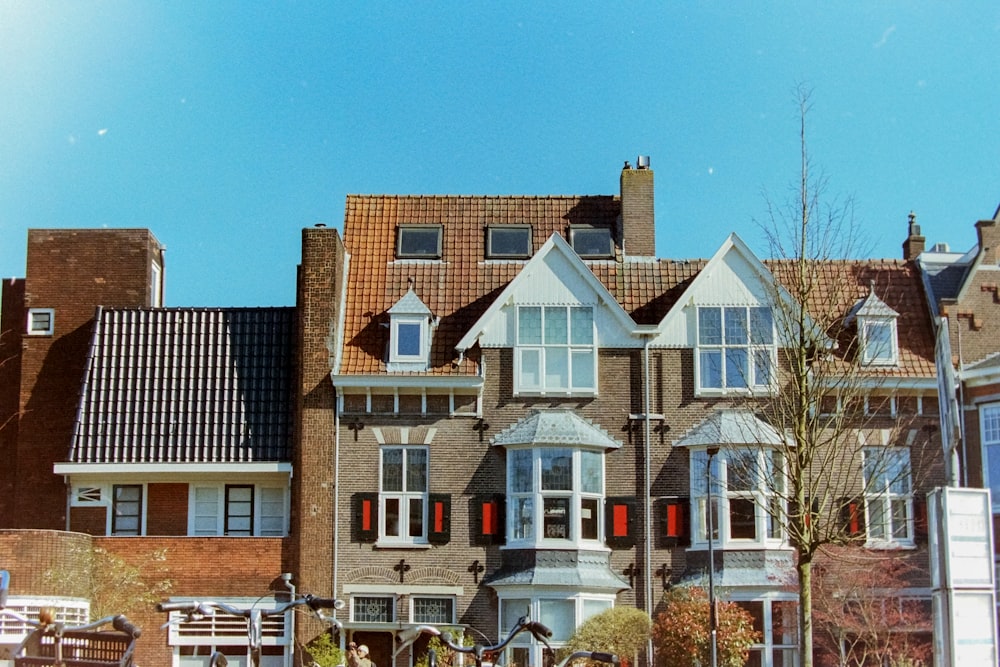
[(555, 426)]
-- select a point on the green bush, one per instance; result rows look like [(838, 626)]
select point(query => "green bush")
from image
[(325, 652), (623, 631)]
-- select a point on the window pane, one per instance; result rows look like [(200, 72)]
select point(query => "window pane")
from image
[(555, 521), (741, 470), (391, 517), (583, 369), (710, 326), (511, 611), (591, 242), (530, 376), (878, 343), (522, 519), (416, 517), (372, 609), (762, 367), (594, 607), (510, 241), (416, 470), (408, 339), (556, 326), (589, 519), (993, 461), (520, 470), (582, 326), (737, 372), (560, 617), (433, 610), (591, 472), (742, 520), (557, 469), (876, 519), (392, 469), (557, 368), (419, 241), (736, 326), (710, 370), (900, 518), (529, 325), (761, 326)]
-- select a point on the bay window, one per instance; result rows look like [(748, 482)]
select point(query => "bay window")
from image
[(744, 491), (555, 495), (556, 351)]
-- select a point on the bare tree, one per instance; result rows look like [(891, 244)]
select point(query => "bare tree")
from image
[(834, 411)]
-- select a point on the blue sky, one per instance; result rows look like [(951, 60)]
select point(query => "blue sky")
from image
[(227, 127)]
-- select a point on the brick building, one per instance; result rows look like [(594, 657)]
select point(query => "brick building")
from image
[(479, 408)]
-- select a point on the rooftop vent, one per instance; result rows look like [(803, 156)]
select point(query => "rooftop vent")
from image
[(940, 247), (642, 162)]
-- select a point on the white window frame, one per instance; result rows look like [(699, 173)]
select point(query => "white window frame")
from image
[(526, 499), (30, 327), (448, 598), (870, 353), (769, 644), (881, 494), (212, 510), (541, 354), (156, 288), (531, 603), (766, 490), (396, 338), (403, 497), (390, 600), (754, 352), (89, 495), (989, 430)]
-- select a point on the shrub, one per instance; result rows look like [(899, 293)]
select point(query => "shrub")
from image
[(681, 633), (623, 631), (324, 651)]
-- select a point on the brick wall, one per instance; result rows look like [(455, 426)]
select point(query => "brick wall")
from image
[(638, 233), (312, 520), (29, 554), (12, 319), (70, 271), (167, 509)]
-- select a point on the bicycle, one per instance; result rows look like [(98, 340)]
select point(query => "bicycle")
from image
[(193, 610), (539, 631), (54, 644)]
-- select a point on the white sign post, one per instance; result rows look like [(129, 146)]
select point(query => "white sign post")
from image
[(963, 586)]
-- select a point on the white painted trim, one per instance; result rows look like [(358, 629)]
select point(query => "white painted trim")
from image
[(393, 589), (152, 471)]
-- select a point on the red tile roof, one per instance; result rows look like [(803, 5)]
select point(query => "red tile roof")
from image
[(463, 284)]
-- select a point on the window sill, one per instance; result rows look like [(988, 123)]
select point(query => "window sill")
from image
[(883, 545), (387, 546), (741, 546)]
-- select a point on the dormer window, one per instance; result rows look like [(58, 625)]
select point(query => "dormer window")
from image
[(877, 334), (508, 242), (418, 242), (591, 242), (409, 333)]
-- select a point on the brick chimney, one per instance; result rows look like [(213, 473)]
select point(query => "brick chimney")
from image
[(989, 241), (914, 243), (638, 229)]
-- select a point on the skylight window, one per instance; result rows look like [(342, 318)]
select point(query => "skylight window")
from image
[(591, 242), (418, 242), (508, 241)]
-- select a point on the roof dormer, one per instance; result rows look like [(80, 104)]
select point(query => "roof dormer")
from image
[(877, 333), (410, 327)]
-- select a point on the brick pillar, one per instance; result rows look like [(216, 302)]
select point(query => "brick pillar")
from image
[(914, 243), (638, 229)]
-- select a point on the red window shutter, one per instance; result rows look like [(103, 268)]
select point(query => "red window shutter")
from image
[(674, 522), (439, 532), (365, 517), (619, 521), (488, 520)]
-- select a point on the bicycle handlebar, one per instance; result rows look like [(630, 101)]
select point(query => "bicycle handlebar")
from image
[(596, 656), (540, 631), (209, 607)]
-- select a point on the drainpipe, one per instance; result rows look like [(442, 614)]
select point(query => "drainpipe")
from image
[(336, 509), (647, 481), (286, 577)]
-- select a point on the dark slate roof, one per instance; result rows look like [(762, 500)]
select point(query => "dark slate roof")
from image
[(187, 385), (543, 567)]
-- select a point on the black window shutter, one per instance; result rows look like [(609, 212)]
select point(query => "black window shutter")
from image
[(619, 522), (675, 522), (439, 518), (365, 506), (488, 513)]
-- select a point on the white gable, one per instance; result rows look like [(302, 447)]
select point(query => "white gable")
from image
[(733, 277), (555, 275)]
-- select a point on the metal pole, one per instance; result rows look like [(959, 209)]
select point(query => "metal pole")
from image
[(713, 621)]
